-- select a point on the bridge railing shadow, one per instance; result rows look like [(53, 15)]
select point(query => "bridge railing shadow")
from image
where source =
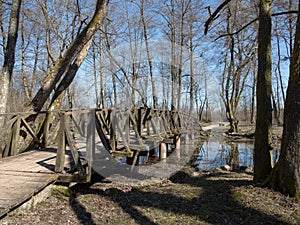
[(215, 203)]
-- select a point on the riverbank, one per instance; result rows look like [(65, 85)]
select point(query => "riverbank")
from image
[(188, 197)]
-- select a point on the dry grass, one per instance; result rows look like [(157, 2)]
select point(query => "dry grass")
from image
[(188, 197)]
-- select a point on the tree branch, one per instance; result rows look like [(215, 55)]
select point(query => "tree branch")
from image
[(252, 21), (213, 15)]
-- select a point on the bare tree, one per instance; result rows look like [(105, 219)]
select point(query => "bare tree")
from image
[(9, 55), (263, 132), (285, 175), (73, 52)]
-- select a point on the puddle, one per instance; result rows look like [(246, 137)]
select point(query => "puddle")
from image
[(216, 154)]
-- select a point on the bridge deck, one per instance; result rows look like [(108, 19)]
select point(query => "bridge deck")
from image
[(24, 175), (125, 132)]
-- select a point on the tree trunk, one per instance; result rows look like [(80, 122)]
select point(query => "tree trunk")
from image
[(9, 57), (286, 173), (95, 77), (102, 78), (72, 52), (149, 58), (173, 55), (70, 74), (263, 134), (25, 78), (253, 95)]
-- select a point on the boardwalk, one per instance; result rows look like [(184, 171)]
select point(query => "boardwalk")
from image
[(26, 174), (23, 176)]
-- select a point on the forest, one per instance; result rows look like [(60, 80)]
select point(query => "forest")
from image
[(232, 60)]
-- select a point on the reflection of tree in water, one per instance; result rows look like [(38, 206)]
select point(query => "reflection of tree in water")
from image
[(216, 154), (233, 158)]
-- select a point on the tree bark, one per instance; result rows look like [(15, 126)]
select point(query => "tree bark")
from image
[(9, 57), (263, 134), (285, 176), (70, 74), (72, 52), (173, 56), (149, 58)]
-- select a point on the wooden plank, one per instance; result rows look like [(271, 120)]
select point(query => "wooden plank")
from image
[(18, 187), (30, 131), (138, 124), (79, 125), (112, 135), (102, 135), (101, 118), (61, 148), (45, 140), (135, 128), (90, 143), (7, 150), (74, 151)]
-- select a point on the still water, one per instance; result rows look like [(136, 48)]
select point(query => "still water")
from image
[(215, 154)]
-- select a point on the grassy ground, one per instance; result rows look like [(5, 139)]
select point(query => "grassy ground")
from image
[(188, 197)]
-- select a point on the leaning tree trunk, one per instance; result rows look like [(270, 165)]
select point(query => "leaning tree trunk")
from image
[(286, 174), (263, 133), (72, 52)]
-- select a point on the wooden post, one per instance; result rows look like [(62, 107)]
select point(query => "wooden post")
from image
[(45, 140), (90, 139), (163, 150), (139, 121), (15, 135), (177, 146), (61, 147), (74, 151), (127, 127), (112, 131)]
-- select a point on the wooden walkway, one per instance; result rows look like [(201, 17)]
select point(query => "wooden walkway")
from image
[(24, 175)]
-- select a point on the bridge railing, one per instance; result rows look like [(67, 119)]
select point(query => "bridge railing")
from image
[(23, 131), (124, 131)]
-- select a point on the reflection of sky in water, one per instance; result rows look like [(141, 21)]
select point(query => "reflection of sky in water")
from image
[(216, 154)]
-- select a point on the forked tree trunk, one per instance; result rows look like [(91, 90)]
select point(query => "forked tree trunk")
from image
[(286, 174), (263, 133)]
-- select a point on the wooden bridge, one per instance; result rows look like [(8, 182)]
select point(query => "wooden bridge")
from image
[(66, 146)]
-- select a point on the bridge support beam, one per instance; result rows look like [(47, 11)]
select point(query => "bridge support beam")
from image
[(177, 146), (163, 150)]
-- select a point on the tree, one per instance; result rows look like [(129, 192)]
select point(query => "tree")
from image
[(237, 64), (285, 175), (237, 57), (9, 54), (263, 132), (149, 58), (73, 53)]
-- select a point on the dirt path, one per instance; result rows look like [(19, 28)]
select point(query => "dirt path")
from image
[(214, 126)]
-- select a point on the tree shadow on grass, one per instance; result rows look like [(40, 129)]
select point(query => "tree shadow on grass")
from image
[(215, 204)]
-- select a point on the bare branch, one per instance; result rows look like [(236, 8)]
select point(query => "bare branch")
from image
[(213, 15), (252, 21)]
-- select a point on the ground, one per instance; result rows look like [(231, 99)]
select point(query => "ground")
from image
[(188, 197)]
